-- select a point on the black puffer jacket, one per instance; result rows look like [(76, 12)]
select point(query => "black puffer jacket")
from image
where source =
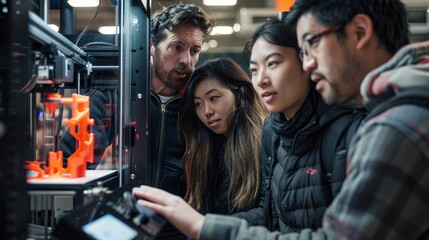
[(294, 177)]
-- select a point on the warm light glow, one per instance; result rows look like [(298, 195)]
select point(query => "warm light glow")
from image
[(108, 30), (84, 3), (54, 27), (284, 5), (222, 30), (220, 2)]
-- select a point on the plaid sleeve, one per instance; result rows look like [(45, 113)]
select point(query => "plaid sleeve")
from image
[(217, 227), (386, 194)]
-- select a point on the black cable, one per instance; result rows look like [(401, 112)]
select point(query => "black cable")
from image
[(59, 123), (105, 44), (89, 25)]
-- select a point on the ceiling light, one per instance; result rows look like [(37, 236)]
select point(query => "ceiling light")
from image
[(108, 30), (222, 30), (220, 2), (236, 27), (84, 3), (54, 27), (212, 43)]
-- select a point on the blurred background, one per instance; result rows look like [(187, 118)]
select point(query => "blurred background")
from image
[(235, 19)]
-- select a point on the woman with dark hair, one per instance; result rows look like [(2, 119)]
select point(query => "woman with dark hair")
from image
[(221, 119), (304, 141)]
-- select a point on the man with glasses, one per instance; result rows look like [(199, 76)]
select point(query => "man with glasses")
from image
[(357, 53)]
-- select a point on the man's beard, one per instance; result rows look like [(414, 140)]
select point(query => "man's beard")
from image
[(169, 81)]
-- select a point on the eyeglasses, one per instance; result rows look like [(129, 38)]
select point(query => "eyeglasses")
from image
[(308, 44)]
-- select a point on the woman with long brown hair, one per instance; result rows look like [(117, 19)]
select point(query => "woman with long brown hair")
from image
[(222, 119)]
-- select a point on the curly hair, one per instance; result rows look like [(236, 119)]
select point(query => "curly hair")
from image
[(170, 18)]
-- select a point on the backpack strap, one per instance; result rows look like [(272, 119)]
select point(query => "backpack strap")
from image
[(338, 135), (331, 137)]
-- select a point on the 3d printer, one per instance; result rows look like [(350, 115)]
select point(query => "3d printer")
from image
[(69, 112)]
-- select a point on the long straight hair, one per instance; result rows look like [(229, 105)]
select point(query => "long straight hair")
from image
[(242, 148)]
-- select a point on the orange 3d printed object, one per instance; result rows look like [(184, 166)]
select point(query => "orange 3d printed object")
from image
[(80, 127)]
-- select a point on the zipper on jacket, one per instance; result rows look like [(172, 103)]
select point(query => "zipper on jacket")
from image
[(161, 147), (287, 165), (159, 161)]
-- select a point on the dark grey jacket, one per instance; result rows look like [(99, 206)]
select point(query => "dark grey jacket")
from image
[(167, 146), (295, 175)]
